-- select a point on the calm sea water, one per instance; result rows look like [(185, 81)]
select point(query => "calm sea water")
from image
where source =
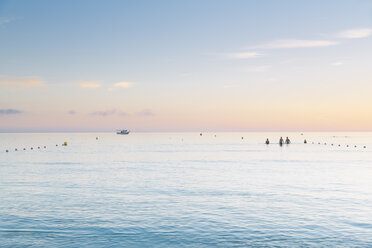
[(185, 190)]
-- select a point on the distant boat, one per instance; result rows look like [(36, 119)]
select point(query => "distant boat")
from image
[(122, 131)]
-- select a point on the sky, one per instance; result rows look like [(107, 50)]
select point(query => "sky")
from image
[(185, 65)]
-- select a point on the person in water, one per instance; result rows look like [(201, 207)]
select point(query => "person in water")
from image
[(281, 141), (287, 141), (267, 141)]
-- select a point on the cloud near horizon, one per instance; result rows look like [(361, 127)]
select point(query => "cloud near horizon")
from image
[(10, 112), (21, 83), (145, 112), (338, 63), (108, 113), (284, 44), (355, 33), (89, 85), (124, 85), (243, 55)]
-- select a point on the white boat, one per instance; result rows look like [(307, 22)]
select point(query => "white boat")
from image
[(124, 131)]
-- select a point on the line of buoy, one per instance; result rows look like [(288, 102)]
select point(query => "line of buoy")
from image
[(32, 148), (333, 144)]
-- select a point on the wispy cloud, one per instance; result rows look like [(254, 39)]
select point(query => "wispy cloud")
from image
[(124, 85), (338, 63), (6, 20), (283, 44), (145, 112), (115, 112), (355, 33), (108, 113), (72, 112), (243, 55), (21, 83), (10, 112), (89, 85)]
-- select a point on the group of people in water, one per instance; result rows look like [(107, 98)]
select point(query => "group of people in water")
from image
[(281, 141)]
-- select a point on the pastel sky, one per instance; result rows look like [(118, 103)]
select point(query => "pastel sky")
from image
[(186, 65)]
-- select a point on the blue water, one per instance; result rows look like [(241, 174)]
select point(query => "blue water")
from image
[(185, 190)]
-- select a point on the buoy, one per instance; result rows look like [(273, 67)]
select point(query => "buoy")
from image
[(347, 146), (331, 144), (305, 141), (65, 143), (318, 143), (242, 137), (38, 147), (96, 138), (6, 150), (325, 143), (24, 149), (364, 146), (355, 146), (44, 146), (339, 145), (56, 144), (16, 149), (312, 142), (201, 134), (32, 148), (302, 134)]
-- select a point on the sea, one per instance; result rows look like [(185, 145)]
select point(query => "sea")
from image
[(191, 189)]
